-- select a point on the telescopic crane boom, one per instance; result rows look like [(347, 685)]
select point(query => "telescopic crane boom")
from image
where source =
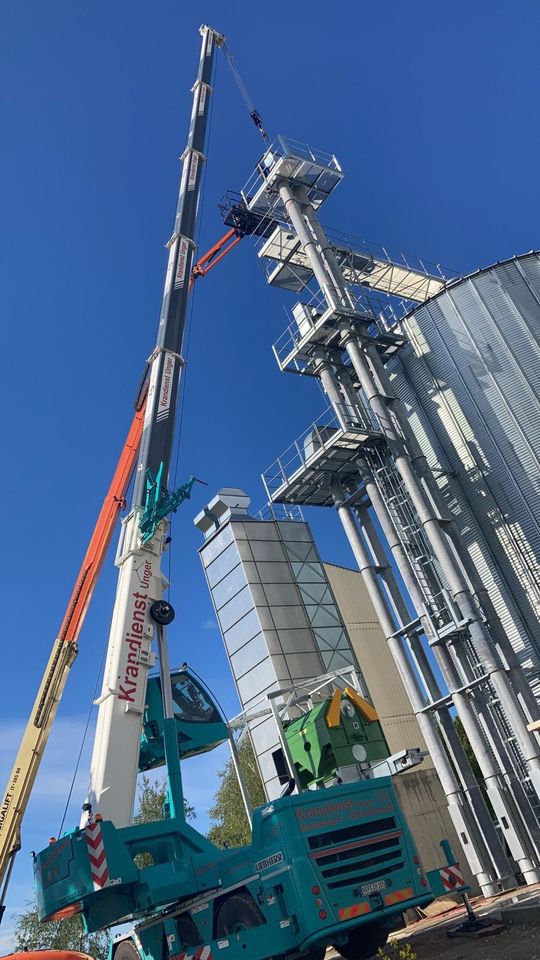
[(121, 704), (64, 651), (17, 793), (65, 648)]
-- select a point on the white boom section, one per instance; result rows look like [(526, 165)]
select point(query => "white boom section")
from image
[(113, 773), (357, 266), (115, 758)]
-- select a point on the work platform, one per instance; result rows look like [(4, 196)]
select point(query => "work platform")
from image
[(288, 160), (326, 451), (319, 323)]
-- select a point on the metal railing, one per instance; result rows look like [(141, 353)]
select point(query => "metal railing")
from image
[(286, 147), (280, 511), (336, 421), (352, 244), (309, 316)]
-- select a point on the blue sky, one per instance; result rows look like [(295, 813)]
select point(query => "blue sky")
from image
[(431, 110)]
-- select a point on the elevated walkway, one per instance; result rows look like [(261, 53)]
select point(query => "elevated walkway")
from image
[(361, 263)]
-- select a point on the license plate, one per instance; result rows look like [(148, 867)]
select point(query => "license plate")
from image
[(372, 887)]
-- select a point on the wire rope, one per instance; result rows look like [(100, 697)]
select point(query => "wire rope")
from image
[(253, 112), (85, 733)]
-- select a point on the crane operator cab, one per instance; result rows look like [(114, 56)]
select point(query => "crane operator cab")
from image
[(200, 724)]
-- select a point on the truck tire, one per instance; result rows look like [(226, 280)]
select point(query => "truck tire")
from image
[(363, 942), (188, 934), (316, 953), (126, 950), (237, 913)]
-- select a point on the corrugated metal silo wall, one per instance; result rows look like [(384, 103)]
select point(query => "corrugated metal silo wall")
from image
[(471, 384)]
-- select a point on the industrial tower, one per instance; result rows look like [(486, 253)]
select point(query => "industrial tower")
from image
[(364, 456)]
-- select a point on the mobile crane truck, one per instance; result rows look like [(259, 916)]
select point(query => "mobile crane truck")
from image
[(328, 866)]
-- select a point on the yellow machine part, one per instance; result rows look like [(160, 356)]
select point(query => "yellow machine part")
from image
[(333, 714), (366, 709)]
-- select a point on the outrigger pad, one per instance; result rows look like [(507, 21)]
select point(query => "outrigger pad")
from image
[(474, 929)]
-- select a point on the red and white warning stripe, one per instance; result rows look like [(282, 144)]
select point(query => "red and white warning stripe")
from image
[(203, 953), (99, 870), (452, 877)]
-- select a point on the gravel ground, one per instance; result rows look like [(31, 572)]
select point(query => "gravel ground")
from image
[(514, 943), (519, 941)]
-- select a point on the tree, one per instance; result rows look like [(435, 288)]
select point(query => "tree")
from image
[(230, 826), (31, 934), (152, 797), (472, 758)]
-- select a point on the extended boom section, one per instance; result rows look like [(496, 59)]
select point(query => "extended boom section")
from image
[(122, 701)]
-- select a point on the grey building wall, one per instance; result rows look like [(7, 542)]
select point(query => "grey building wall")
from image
[(285, 616), (277, 615), (470, 381), (371, 649)]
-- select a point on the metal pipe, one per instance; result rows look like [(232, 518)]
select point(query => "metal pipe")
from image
[(498, 794), (240, 778), (385, 570), (292, 205), (473, 843), (432, 527), (352, 396), (331, 388)]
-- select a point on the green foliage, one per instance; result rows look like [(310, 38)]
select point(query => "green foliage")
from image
[(31, 934), (152, 797), (230, 826), (396, 951), (471, 756)]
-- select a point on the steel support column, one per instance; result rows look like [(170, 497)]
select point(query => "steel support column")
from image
[(431, 509), (503, 802), (480, 830)]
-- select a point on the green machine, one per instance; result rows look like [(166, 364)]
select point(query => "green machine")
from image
[(343, 731)]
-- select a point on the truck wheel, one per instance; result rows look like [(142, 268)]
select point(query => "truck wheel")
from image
[(363, 942), (237, 913), (316, 953), (188, 934), (126, 950)]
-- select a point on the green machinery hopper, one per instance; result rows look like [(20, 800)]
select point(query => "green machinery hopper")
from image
[(342, 731)]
